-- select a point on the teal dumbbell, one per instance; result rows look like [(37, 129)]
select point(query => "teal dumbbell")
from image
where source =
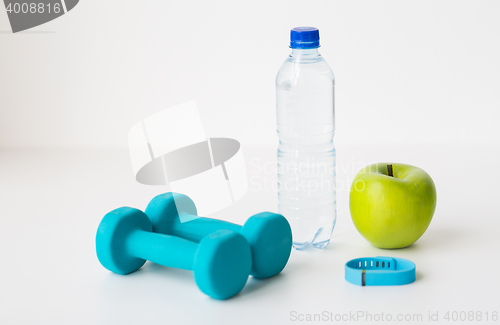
[(221, 262), (268, 234)]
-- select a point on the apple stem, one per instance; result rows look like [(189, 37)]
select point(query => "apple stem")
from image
[(389, 170)]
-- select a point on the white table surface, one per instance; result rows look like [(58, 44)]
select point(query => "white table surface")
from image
[(53, 200)]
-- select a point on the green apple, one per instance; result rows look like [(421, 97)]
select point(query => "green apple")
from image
[(392, 211)]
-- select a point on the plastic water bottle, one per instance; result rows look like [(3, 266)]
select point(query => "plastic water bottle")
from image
[(306, 155)]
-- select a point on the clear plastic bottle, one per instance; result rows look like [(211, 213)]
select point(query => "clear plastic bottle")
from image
[(305, 110)]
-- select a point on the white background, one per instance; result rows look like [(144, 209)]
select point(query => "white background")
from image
[(406, 71), (417, 82)]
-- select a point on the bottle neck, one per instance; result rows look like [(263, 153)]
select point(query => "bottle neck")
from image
[(305, 53)]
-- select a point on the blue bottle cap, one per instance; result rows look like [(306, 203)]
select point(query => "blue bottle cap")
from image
[(304, 38)]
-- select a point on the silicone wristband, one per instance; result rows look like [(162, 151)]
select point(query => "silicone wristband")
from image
[(380, 271)]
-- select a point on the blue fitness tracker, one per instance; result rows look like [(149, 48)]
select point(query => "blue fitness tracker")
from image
[(380, 271)]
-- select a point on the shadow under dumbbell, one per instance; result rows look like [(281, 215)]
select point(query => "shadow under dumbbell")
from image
[(179, 274), (255, 284)]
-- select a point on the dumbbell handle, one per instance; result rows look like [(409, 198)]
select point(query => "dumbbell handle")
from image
[(200, 227), (162, 249)]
